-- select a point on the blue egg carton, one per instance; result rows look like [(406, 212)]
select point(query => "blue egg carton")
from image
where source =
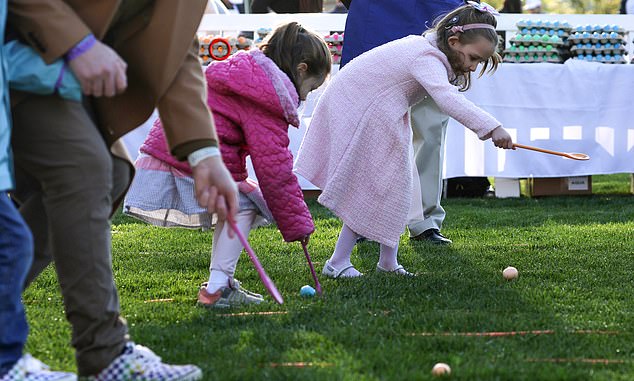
[(597, 37), (600, 58), (541, 31), (599, 28), (588, 48), (544, 24)]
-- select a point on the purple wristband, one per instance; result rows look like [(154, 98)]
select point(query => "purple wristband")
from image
[(81, 47)]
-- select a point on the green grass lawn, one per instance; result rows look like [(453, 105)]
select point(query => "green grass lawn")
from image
[(575, 256)]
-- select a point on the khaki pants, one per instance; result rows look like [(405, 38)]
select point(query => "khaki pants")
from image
[(65, 178), (429, 125)]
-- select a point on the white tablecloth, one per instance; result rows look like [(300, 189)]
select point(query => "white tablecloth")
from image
[(574, 107)]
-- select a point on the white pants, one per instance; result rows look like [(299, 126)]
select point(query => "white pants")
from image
[(429, 125)]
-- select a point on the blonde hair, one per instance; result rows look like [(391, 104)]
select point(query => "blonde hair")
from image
[(291, 44), (464, 15)]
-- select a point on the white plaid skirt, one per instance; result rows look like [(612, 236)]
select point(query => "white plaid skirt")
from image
[(164, 196)]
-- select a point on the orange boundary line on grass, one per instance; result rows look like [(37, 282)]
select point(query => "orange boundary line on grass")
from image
[(588, 361), (512, 333), (299, 364), (159, 300), (256, 313)]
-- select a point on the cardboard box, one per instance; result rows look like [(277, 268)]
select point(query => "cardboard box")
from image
[(507, 187), (560, 186)]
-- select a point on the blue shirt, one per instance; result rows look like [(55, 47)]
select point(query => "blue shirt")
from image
[(371, 23), (6, 163)]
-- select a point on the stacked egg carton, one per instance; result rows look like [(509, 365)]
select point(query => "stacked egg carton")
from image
[(262, 33), (335, 44), (595, 43), (207, 51), (539, 41)]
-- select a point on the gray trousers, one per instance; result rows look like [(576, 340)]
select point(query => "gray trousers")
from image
[(429, 126), (65, 182)]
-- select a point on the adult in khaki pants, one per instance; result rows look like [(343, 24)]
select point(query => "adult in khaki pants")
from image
[(429, 126), (130, 56), (373, 23)]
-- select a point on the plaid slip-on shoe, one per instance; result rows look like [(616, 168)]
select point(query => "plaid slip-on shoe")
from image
[(28, 368), (139, 363), (231, 296)]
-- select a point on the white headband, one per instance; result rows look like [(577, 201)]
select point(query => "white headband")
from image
[(462, 28)]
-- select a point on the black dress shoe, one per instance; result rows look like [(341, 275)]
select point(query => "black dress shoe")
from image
[(432, 236)]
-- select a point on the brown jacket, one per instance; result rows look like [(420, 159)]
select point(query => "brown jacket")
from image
[(161, 52)]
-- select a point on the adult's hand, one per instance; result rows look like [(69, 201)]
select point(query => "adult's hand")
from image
[(100, 71), (501, 138), (216, 190)]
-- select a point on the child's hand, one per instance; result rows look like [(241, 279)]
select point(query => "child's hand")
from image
[(501, 138)]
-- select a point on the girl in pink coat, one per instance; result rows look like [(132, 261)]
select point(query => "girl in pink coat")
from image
[(357, 147), (254, 97)]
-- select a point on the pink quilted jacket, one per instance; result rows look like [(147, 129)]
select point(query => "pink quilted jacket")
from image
[(253, 103)]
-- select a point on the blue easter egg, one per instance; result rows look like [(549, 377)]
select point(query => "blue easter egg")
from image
[(307, 291), (560, 32)]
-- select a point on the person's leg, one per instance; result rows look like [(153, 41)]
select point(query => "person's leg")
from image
[(339, 264), (56, 142), (429, 125), (16, 253), (28, 196), (222, 290), (226, 251), (389, 263)]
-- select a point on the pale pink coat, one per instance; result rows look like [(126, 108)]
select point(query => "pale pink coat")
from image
[(357, 146)]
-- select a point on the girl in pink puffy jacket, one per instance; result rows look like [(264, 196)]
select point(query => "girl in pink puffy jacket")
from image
[(254, 97)]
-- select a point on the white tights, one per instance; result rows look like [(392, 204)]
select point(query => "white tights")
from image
[(226, 251), (346, 242)]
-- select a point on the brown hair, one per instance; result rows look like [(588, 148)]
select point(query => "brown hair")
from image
[(291, 44), (466, 14)]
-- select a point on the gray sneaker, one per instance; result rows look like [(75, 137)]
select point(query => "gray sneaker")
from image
[(139, 363), (231, 296)]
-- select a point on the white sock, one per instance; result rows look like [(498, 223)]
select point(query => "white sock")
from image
[(217, 280), (387, 257)]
